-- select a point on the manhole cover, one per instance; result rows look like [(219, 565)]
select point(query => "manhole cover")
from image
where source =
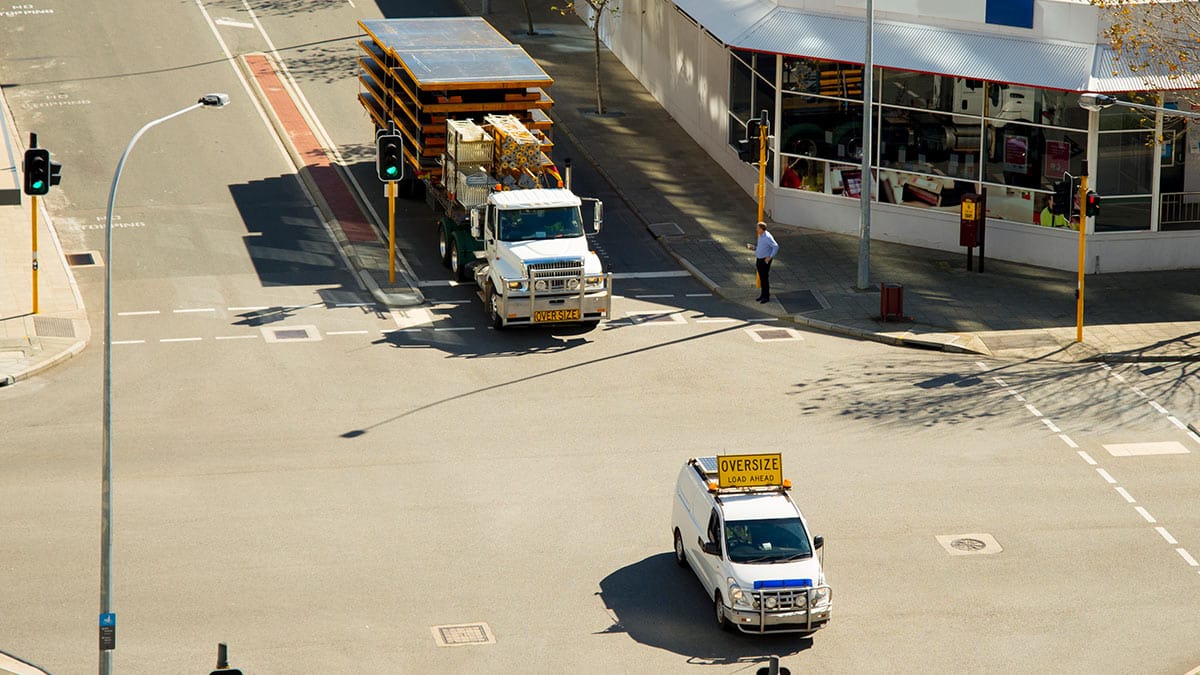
[(773, 334), (291, 334), (81, 259), (52, 326), (977, 543), (461, 634)]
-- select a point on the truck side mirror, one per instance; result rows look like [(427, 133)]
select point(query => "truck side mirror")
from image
[(599, 216), (475, 218), (818, 541), (709, 547)]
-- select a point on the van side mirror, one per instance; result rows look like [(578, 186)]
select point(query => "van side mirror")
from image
[(476, 217), (709, 547), (818, 541), (599, 215)]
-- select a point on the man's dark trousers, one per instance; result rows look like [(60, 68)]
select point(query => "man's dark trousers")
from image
[(764, 277)]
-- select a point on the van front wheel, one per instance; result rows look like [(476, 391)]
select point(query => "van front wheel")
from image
[(719, 610)]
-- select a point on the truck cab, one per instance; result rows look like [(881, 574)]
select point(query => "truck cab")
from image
[(535, 265), (750, 546)]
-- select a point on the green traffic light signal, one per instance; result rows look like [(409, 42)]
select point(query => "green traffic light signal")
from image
[(37, 171), (389, 162)]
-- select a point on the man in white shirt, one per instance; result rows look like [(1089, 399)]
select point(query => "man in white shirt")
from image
[(764, 253)]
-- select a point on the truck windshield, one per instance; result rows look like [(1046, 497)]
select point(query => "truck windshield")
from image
[(766, 541), (529, 224)]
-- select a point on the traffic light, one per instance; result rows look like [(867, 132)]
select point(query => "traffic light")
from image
[(1092, 203), (55, 173), (1064, 198), (748, 148), (37, 171), (389, 161)]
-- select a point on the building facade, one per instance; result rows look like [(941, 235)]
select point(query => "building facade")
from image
[(966, 97)]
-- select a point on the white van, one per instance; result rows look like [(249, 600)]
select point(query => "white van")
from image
[(749, 545)]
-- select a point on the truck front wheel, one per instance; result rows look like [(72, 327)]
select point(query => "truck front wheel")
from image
[(493, 304)]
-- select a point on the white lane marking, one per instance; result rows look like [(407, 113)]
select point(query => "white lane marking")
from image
[(698, 295), (654, 295), (1141, 449), (1087, 458), (141, 313), (457, 328), (247, 309), (651, 275), (233, 24), (1145, 514), (1119, 377), (1017, 396), (1050, 424), (237, 337), (401, 330), (1159, 408), (129, 342), (1166, 535), (981, 365), (1000, 381), (1067, 439), (193, 310), (1187, 557), (1105, 476), (1128, 497), (1175, 420), (1139, 392), (766, 320), (346, 332), (186, 339), (716, 320), (1035, 411)]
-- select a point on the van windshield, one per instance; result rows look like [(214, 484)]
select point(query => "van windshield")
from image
[(766, 541), (531, 224)]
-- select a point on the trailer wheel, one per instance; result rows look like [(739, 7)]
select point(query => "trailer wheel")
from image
[(456, 263), (443, 245)]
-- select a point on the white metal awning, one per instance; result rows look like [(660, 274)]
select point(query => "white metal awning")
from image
[(760, 25)]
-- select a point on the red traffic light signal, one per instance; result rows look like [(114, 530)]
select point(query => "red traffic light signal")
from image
[(1091, 203)]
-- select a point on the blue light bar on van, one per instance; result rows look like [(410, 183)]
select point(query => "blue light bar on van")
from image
[(783, 583)]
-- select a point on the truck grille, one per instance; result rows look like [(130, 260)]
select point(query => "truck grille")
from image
[(557, 276)]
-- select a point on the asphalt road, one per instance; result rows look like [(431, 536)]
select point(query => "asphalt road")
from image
[(323, 484)]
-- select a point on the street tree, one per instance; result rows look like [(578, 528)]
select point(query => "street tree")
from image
[(598, 9), (1158, 41)]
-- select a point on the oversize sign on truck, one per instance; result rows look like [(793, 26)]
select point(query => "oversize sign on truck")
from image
[(734, 471)]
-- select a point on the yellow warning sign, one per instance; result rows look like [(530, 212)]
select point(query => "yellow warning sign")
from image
[(969, 210), (735, 471)]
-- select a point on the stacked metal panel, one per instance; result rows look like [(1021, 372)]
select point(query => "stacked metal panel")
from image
[(417, 74)]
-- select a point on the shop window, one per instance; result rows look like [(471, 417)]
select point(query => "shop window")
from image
[(922, 90), (1030, 156), (824, 78), (819, 127), (741, 80), (929, 143), (1124, 214), (1125, 163), (764, 65)]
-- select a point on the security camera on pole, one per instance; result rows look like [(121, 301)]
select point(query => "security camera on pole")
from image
[(389, 164)]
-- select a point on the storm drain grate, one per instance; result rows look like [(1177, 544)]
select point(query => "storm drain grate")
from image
[(969, 544), (665, 229), (291, 334), (52, 326), (84, 259), (458, 635), (773, 334)]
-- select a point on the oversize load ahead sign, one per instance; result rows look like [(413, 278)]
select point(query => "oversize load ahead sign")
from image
[(749, 470)]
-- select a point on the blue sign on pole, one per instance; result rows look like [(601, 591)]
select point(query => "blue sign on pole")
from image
[(108, 631), (108, 619)]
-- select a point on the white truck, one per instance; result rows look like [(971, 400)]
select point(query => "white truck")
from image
[(735, 524)]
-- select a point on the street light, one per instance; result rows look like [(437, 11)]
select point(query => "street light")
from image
[(107, 618), (863, 281)]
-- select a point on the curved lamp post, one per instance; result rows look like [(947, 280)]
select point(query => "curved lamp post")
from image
[(107, 618)]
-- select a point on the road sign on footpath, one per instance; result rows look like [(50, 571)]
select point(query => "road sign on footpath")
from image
[(108, 631)]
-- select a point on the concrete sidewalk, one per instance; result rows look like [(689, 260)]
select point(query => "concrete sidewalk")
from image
[(705, 220), (29, 342)]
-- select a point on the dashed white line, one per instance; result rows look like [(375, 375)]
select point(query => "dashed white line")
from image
[(186, 339), (1051, 426), (1000, 381), (1128, 497), (1067, 439), (1174, 420), (129, 342), (141, 313), (1159, 408), (1016, 395), (193, 310), (1145, 514), (1105, 476), (1166, 535), (1139, 392), (1187, 557), (981, 365), (656, 295), (698, 295), (1035, 411), (455, 328), (1088, 458), (237, 337)]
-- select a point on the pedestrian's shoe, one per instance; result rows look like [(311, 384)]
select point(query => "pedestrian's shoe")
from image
[(764, 299), (759, 299)]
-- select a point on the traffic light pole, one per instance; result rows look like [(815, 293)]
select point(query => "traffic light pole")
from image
[(34, 204), (391, 232), (1083, 188), (762, 164)]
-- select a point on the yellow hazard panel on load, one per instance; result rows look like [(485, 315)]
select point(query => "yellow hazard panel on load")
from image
[(735, 471)]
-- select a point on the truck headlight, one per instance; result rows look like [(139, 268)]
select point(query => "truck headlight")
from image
[(516, 285), (540, 285), (738, 597), (573, 284)]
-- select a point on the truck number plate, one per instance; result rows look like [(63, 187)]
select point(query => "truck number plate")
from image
[(555, 315)]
